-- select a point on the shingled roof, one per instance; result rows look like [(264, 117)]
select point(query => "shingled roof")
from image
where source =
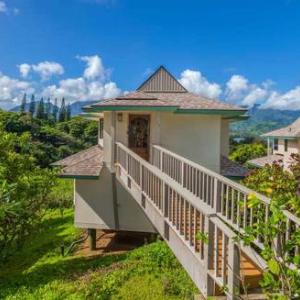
[(291, 131), (230, 168), (161, 91), (266, 160), (84, 164)]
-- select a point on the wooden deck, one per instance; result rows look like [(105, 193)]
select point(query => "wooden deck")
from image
[(199, 213)]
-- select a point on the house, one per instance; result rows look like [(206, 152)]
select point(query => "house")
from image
[(160, 166), (282, 143)]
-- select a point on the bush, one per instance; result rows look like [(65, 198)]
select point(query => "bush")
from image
[(244, 152), (61, 195), (280, 281)]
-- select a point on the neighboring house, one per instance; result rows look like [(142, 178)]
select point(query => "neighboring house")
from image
[(282, 143), (158, 168)]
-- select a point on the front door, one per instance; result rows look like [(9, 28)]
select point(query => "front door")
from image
[(138, 135)]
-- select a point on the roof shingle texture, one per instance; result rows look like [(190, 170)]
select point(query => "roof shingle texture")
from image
[(178, 100), (292, 130), (88, 162), (230, 168), (264, 160)]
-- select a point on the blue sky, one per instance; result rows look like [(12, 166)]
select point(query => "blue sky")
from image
[(244, 52)]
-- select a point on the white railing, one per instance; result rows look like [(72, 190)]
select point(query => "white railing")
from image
[(229, 199), (186, 216), (183, 198)]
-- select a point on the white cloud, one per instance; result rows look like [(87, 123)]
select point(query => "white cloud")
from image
[(45, 69), (255, 94), (289, 100), (24, 70), (93, 85), (238, 90), (12, 90), (3, 7), (94, 68), (196, 83), (235, 86)]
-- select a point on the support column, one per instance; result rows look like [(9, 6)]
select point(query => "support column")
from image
[(233, 270), (92, 238), (209, 257)]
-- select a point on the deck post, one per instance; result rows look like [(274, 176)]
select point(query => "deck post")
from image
[(233, 270), (92, 238), (209, 256)]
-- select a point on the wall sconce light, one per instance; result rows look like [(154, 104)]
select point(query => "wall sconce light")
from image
[(120, 117)]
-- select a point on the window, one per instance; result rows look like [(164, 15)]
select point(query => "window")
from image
[(275, 144), (101, 123), (286, 145)]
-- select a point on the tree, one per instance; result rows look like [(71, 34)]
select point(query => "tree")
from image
[(244, 152), (55, 110), (40, 113), (68, 114), (23, 190), (48, 109), (23, 104), (32, 106), (62, 116)]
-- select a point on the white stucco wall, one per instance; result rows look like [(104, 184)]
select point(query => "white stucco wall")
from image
[(94, 206), (195, 137), (293, 148), (225, 137), (93, 202)]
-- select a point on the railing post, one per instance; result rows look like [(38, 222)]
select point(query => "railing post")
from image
[(182, 173), (216, 200), (233, 270), (166, 201), (209, 256), (160, 159)]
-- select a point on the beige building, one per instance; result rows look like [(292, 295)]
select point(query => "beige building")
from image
[(161, 166), (282, 143)]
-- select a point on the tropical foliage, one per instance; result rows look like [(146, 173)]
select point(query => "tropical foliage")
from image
[(282, 279), (51, 141), (244, 152), (28, 145)]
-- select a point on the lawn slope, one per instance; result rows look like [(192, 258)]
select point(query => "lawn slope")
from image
[(38, 271)]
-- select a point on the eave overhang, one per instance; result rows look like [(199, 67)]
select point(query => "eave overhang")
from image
[(103, 108), (230, 114), (279, 137)]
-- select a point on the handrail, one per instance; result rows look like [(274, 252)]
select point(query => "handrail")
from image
[(236, 185), (191, 199), (186, 216), (229, 197), (206, 209)]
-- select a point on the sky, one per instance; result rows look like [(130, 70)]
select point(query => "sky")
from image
[(244, 52)]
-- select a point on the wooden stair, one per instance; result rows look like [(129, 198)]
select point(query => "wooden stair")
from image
[(184, 218)]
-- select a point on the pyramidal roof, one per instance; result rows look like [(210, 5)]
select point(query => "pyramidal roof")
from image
[(162, 92), (161, 81)]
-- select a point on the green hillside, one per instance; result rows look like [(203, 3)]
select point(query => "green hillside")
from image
[(263, 120)]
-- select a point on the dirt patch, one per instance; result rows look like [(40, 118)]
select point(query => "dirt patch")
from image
[(114, 242)]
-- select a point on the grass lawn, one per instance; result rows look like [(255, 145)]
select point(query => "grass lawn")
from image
[(38, 271)]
